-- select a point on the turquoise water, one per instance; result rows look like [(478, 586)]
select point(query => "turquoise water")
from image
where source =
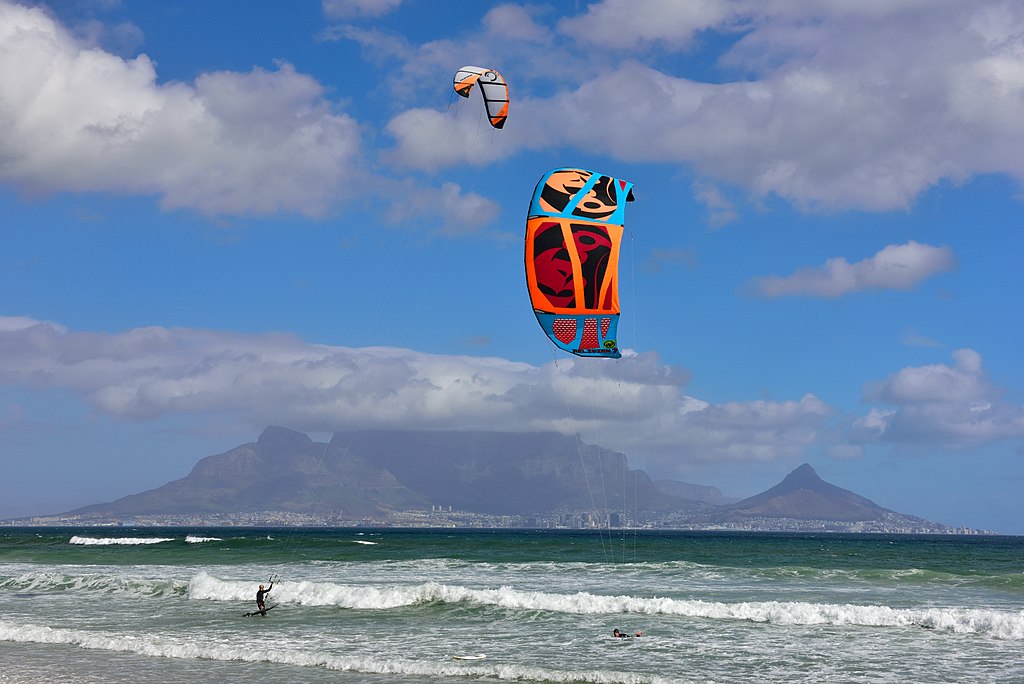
[(389, 605)]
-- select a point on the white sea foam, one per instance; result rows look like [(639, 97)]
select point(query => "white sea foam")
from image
[(199, 540), (193, 650), (999, 624), (123, 541), (49, 581)]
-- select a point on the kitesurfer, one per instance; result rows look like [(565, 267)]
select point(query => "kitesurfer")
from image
[(622, 635), (260, 601)]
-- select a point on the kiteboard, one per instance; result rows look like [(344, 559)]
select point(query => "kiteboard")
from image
[(257, 612), (478, 656)]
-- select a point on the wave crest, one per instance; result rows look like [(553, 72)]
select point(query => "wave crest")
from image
[(117, 541), (998, 624), (158, 647)]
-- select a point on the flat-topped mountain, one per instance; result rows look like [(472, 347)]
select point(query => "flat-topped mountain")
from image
[(374, 472), (507, 472)]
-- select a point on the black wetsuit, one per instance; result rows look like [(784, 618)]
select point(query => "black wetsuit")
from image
[(259, 597)]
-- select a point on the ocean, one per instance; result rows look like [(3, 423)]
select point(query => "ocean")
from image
[(369, 606)]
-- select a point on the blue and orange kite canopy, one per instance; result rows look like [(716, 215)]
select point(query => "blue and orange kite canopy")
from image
[(492, 87), (573, 233)]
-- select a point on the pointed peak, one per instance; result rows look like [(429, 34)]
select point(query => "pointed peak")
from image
[(803, 476), (805, 469)]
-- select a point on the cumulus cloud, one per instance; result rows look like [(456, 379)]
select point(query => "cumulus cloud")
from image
[(830, 106), (612, 114), (76, 118), (938, 404), (629, 24), (430, 140), (896, 267), (146, 373), (626, 24), (454, 211), (859, 105), (514, 22), (960, 383), (745, 431)]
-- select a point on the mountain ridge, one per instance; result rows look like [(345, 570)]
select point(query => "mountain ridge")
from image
[(377, 474)]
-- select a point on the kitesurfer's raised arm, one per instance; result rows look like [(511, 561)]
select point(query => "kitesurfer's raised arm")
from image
[(260, 600)]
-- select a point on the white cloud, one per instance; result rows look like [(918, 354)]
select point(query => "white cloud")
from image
[(817, 137), (860, 105), (625, 24), (720, 210), (509, 38), (76, 118), (953, 406), (961, 383), (833, 105), (147, 373), (430, 140), (410, 74), (344, 9), (631, 113), (896, 267), (448, 207), (673, 25), (15, 323), (514, 22), (741, 431)]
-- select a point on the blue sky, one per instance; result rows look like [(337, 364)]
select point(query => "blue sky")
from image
[(216, 216)]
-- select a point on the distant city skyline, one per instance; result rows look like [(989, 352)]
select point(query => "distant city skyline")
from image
[(214, 219), (462, 519)]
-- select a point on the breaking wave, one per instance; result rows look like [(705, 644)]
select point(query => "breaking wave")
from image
[(193, 650), (49, 581), (118, 541), (998, 624)]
